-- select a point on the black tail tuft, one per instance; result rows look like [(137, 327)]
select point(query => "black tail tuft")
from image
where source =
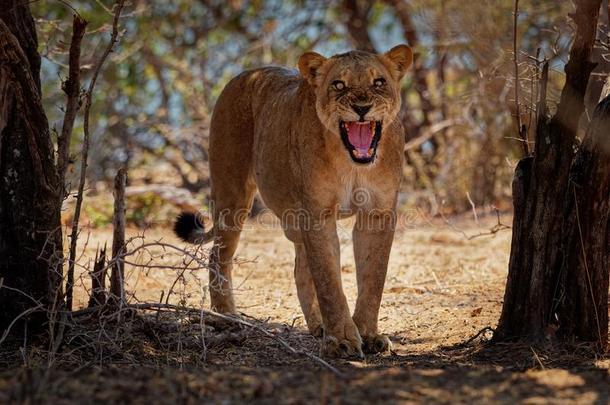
[(188, 226)]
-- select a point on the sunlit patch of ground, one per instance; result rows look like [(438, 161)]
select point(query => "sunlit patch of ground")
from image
[(442, 288)]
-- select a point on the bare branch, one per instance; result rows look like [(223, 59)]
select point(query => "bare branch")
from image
[(72, 89), (81, 186), (117, 276), (521, 129), (431, 131)]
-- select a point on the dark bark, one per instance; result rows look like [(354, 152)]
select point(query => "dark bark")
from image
[(30, 231), (117, 275), (72, 89), (433, 161), (585, 266), (539, 187), (98, 280)]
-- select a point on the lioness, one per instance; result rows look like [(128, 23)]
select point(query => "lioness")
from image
[(320, 145)]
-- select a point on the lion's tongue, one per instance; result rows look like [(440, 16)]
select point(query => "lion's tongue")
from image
[(360, 136)]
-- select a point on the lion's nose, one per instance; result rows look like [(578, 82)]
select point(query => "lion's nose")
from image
[(361, 110)]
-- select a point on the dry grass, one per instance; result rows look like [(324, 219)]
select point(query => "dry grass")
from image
[(442, 288)]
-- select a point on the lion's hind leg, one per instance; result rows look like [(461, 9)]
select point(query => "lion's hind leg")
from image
[(232, 184), (231, 207)]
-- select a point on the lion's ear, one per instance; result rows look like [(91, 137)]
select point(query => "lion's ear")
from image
[(309, 64), (400, 57)]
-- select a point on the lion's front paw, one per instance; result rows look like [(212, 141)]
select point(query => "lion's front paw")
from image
[(333, 347), (376, 344), (346, 344), (316, 330)]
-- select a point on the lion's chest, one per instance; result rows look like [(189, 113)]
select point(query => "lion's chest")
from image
[(360, 191)]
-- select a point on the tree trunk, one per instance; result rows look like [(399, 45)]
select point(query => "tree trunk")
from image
[(30, 231), (602, 70), (539, 189), (357, 23), (583, 308), (420, 84)]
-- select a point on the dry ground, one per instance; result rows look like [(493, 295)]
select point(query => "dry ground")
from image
[(442, 288)]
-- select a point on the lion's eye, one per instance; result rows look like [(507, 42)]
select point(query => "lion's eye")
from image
[(379, 82), (338, 85)]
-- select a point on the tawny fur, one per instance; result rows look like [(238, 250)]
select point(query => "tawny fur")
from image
[(277, 130)]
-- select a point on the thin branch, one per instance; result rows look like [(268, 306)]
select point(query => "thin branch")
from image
[(72, 89), (541, 110), (431, 131), (21, 315), (117, 275), (85, 151), (499, 226), (521, 130)]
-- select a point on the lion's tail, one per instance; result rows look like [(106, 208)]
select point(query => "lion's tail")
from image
[(189, 228)]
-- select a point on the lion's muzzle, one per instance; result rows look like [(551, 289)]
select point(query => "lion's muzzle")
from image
[(361, 139)]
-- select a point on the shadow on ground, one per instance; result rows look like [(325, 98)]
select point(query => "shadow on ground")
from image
[(177, 358)]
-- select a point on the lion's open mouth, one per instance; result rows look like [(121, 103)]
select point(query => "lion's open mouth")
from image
[(361, 139)]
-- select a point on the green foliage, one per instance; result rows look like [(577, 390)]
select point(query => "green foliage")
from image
[(147, 209), (142, 211), (98, 213)]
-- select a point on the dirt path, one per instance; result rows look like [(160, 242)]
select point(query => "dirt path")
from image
[(441, 289)]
